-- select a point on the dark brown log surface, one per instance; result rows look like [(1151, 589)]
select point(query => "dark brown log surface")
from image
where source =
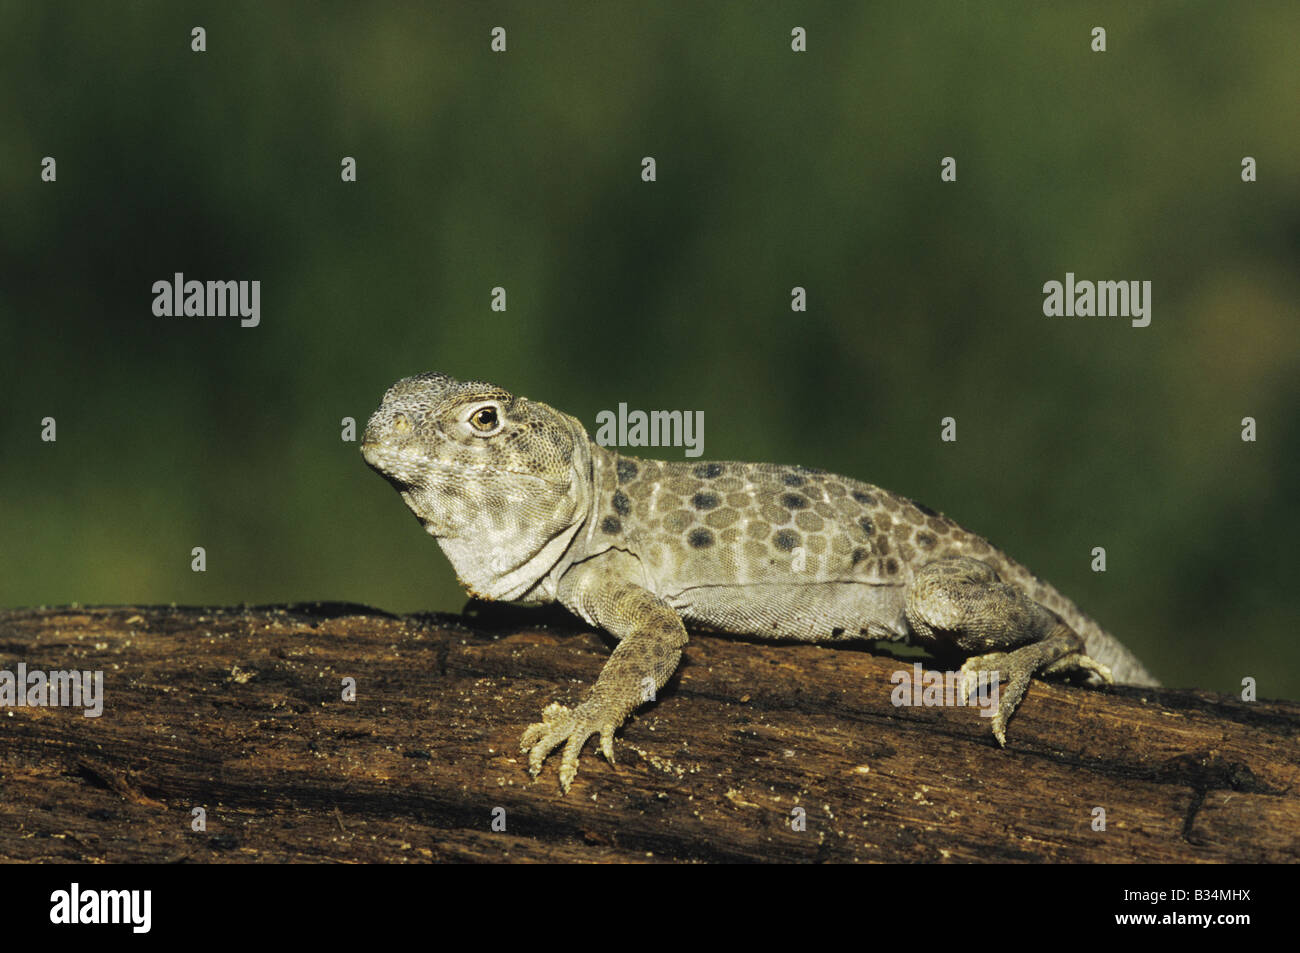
[(239, 711)]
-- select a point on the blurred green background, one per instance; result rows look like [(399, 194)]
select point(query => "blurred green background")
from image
[(775, 169)]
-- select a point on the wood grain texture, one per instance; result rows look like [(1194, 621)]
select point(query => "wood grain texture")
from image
[(238, 711)]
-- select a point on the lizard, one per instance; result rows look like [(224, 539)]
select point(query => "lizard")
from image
[(530, 510)]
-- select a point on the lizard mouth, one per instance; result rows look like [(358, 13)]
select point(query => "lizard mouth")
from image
[(458, 472), (397, 483)]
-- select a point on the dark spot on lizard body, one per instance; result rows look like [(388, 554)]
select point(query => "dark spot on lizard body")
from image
[(786, 540), (700, 538), (705, 501)]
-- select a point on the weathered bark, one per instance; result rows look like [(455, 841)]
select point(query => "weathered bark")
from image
[(239, 711)]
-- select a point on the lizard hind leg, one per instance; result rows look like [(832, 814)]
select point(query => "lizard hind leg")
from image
[(961, 602)]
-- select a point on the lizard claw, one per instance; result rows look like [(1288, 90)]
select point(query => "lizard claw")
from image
[(969, 678), (998, 667), (570, 727)]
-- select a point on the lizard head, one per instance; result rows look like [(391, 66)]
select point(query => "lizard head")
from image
[(499, 480)]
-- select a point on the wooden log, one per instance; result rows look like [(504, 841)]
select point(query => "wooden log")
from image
[(239, 711)]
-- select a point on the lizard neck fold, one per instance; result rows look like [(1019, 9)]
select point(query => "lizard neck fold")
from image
[(517, 553)]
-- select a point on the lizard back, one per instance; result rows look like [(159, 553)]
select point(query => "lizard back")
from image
[(794, 552)]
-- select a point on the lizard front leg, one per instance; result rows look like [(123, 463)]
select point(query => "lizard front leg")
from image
[(962, 602), (651, 638)]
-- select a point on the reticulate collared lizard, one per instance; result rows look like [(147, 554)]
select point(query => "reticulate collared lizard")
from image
[(530, 510)]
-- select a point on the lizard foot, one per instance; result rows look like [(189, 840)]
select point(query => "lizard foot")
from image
[(1058, 654), (572, 727), (1001, 667), (1080, 663)]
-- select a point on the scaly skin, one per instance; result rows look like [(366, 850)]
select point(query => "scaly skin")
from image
[(529, 509)]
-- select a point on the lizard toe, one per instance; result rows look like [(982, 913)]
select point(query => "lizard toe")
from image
[(543, 737), (571, 728), (980, 665), (1078, 663), (569, 761), (532, 734), (1017, 685)]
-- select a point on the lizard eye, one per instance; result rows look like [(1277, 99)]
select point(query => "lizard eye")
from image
[(485, 420)]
